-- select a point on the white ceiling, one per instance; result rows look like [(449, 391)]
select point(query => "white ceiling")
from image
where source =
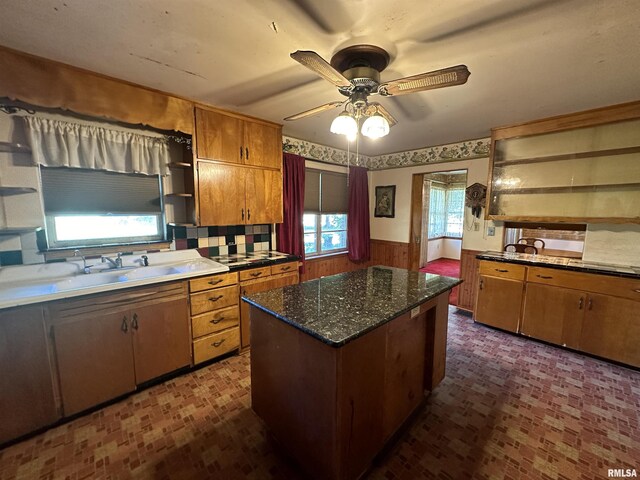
[(528, 58)]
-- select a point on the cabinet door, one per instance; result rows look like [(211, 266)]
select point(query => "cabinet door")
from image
[(218, 136), (499, 302), (404, 370), (27, 400), (161, 339), (611, 328), (264, 196), (263, 144), (261, 285), (221, 194), (553, 314), (95, 359)]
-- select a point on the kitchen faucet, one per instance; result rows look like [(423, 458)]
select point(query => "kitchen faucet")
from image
[(117, 263), (85, 268)]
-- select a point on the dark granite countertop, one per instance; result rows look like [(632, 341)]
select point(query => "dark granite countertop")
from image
[(242, 261), (561, 263), (343, 307)]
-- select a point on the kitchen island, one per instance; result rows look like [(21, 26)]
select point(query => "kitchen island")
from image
[(339, 363)]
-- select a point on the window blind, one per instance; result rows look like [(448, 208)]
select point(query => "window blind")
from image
[(325, 192), (79, 191)]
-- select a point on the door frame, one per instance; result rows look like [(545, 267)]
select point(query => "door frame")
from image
[(419, 219)]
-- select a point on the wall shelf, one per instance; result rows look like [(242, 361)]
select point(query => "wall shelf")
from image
[(18, 230), (564, 188), (7, 191), (569, 156), (180, 165), (14, 147), (184, 195)]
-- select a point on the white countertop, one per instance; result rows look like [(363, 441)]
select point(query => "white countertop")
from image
[(28, 284)]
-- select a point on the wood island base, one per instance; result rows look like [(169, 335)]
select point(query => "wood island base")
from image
[(333, 409)]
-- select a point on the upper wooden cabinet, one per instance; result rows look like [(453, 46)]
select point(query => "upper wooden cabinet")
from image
[(234, 195), (583, 167), (234, 139)]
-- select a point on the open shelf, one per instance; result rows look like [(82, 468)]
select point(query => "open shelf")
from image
[(180, 165), (14, 147), (563, 188), (6, 191), (18, 230), (184, 195), (569, 156)]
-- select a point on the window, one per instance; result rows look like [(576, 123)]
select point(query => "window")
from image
[(91, 207), (324, 233), (446, 210), (455, 211), (325, 218), (437, 211)]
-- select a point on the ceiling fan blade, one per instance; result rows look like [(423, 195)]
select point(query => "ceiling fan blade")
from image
[(320, 66), (313, 111), (447, 77), (384, 112)]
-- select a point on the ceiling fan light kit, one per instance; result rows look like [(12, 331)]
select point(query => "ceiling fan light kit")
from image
[(376, 126), (355, 70)]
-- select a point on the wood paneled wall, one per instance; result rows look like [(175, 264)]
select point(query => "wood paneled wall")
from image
[(469, 274), (391, 254)]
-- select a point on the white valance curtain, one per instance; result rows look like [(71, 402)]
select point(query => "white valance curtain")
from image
[(56, 143)]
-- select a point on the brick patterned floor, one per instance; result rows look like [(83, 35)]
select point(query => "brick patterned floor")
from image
[(510, 408)]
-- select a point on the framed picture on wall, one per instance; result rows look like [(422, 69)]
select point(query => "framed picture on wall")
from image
[(385, 201)]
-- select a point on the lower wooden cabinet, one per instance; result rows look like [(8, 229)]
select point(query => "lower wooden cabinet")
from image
[(500, 291), (215, 316), (553, 314), (27, 400), (593, 313), (611, 328), (260, 280), (107, 344)]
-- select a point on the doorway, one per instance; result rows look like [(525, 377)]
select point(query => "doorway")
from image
[(437, 223)]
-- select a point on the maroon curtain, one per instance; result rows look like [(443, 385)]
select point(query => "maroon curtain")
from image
[(358, 220), (290, 237)]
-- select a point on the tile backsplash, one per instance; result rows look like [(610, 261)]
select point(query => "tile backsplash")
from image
[(214, 241)]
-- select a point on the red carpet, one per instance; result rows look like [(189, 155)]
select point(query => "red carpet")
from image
[(448, 268)]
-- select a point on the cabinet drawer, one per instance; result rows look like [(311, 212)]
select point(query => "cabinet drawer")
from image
[(502, 270), (217, 344), (214, 299), (215, 321), (254, 273), (284, 268), (213, 281), (590, 282)]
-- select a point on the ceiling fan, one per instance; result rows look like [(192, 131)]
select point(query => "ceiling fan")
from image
[(355, 70)]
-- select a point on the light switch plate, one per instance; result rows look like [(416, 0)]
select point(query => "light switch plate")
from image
[(491, 231)]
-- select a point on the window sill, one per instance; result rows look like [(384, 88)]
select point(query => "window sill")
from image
[(325, 255), (445, 238), (57, 253)]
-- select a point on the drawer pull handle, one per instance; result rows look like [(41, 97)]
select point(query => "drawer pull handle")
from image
[(580, 303), (589, 303), (216, 321), (215, 282), (546, 277), (134, 322), (284, 269), (215, 299), (124, 327), (502, 270), (637, 290), (255, 274), (218, 343)]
